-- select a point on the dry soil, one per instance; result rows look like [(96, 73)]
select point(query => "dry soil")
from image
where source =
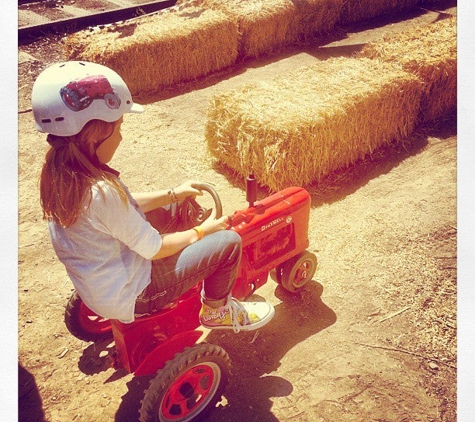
[(371, 338)]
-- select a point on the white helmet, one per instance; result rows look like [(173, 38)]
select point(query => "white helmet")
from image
[(67, 95)]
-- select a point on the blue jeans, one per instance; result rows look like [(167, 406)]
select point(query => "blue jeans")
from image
[(214, 259)]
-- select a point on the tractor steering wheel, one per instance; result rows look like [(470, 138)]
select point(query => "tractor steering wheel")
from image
[(207, 188)]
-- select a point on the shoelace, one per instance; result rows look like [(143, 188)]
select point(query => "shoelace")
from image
[(235, 308)]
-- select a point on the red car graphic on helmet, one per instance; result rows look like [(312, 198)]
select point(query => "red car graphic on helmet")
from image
[(78, 95)]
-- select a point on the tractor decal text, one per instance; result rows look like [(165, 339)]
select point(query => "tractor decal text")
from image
[(272, 224)]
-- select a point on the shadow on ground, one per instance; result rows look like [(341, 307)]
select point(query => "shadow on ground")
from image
[(30, 405), (254, 355), (343, 182)]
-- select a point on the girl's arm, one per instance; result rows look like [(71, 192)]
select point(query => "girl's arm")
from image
[(149, 201), (173, 243)]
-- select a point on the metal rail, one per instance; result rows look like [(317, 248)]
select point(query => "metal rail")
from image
[(30, 33)]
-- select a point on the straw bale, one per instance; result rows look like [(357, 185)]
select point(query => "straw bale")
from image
[(438, 3), (175, 46), (266, 25), (315, 17), (358, 10), (263, 25), (430, 52), (299, 127)]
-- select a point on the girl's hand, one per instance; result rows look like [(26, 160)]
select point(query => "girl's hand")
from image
[(211, 224), (185, 190)]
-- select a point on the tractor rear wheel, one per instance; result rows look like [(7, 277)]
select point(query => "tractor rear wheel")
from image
[(188, 386), (83, 323)]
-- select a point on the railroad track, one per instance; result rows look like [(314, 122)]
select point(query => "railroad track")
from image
[(40, 18)]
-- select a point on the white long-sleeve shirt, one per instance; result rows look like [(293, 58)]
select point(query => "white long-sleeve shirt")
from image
[(107, 252)]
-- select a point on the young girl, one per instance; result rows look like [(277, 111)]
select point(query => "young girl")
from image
[(121, 266)]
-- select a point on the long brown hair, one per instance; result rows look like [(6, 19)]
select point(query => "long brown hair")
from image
[(70, 169)]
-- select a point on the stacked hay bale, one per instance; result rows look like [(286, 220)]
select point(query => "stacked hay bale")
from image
[(161, 50), (266, 25), (430, 52), (438, 3), (358, 10), (315, 17), (297, 128)]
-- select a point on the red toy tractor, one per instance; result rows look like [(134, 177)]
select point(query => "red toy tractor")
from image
[(78, 95), (190, 378)]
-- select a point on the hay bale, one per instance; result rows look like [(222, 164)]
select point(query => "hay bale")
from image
[(263, 25), (267, 25), (438, 3), (175, 46), (315, 17), (297, 128), (430, 52), (359, 10)]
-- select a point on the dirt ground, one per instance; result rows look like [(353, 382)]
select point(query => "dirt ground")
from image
[(371, 338)]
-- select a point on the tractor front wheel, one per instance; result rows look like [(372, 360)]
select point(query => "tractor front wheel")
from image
[(296, 272)]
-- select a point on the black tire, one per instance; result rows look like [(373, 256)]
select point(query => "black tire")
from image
[(83, 323), (71, 98), (296, 272), (188, 386)]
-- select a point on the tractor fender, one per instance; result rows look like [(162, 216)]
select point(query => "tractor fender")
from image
[(159, 356)]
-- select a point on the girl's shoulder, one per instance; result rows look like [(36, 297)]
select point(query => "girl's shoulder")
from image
[(101, 189), (107, 191)]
